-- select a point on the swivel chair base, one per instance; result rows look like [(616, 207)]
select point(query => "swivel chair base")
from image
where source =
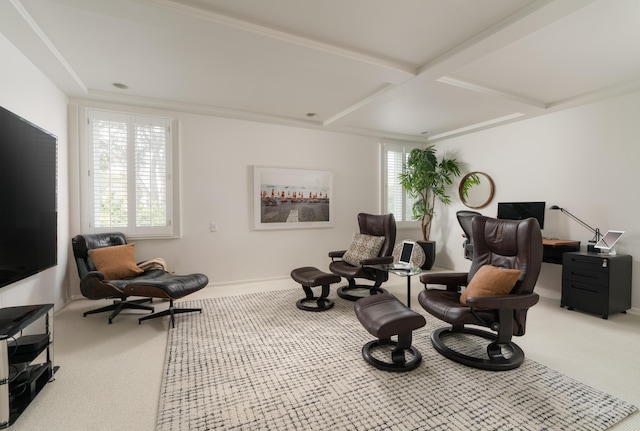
[(495, 360), (398, 358), (383, 316), (171, 311), (309, 277), (354, 291), (358, 291), (314, 303), (122, 304)]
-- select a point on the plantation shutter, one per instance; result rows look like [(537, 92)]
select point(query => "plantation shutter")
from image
[(130, 173), (109, 171), (394, 189), (151, 173), (397, 200)]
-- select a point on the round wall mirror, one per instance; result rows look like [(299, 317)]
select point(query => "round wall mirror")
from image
[(476, 190)]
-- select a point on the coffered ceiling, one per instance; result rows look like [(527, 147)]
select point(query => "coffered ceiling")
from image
[(405, 69)]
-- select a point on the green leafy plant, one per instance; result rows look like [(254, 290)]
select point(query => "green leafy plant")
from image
[(426, 178), (472, 180)]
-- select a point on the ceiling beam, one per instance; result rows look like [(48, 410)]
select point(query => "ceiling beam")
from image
[(402, 71), (533, 17)]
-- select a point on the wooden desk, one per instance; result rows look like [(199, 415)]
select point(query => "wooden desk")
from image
[(553, 249), (560, 242)]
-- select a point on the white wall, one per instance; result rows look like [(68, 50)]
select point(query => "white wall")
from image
[(25, 91), (216, 158), (584, 159)]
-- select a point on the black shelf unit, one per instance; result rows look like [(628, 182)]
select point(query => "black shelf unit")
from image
[(26, 358), (598, 283)]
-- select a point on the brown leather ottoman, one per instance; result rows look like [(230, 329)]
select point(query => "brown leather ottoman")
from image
[(309, 277), (384, 316)]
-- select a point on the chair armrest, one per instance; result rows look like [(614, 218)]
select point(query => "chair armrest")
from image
[(444, 278), (97, 274), (94, 286), (452, 280), (511, 301), (377, 260), (336, 254)]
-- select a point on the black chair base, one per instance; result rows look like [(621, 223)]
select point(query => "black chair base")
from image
[(122, 304), (171, 311), (309, 277), (398, 359), (495, 360), (354, 291), (321, 303), (383, 316), (358, 291)]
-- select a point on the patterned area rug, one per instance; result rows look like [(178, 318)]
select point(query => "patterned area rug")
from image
[(256, 362)]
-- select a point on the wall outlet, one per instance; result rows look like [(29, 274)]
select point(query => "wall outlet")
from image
[(213, 226)]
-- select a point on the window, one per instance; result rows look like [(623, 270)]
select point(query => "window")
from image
[(130, 184), (395, 198)]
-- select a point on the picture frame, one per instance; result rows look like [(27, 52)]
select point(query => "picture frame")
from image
[(292, 198)]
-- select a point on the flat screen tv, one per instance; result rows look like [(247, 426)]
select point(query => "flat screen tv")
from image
[(522, 210), (28, 198)]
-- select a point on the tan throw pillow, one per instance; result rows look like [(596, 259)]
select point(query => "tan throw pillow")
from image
[(363, 247), (115, 262), (490, 281)]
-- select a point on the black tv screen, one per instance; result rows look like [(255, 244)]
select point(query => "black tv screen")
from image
[(28, 211), (521, 211)]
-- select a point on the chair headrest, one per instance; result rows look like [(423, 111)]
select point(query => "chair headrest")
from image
[(83, 243), (379, 225), (513, 244)]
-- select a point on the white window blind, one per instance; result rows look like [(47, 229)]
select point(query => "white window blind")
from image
[(396, 199), (130, 174)]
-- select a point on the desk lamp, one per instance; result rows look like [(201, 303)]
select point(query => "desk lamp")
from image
[(595, 231)]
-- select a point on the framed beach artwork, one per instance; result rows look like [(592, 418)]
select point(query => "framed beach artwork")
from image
[(292, 198)]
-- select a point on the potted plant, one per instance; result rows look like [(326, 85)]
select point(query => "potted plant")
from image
[(426, 178)]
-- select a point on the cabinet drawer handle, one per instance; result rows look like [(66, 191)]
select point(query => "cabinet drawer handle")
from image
[(587, 261), (573, 286), (583, 275)]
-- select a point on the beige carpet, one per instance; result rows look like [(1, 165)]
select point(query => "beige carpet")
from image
[(257, 362)]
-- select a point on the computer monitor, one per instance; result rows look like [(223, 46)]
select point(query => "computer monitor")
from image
[(521, 211), (609, 239)]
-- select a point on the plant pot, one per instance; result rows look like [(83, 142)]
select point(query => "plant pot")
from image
[(429, 248)]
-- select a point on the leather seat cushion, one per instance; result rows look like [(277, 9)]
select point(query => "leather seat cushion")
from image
[(343, 269), (446, 306), (161, 284), (311, 277), (383, 315)]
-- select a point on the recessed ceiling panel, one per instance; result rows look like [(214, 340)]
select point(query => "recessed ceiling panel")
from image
[(407, 31), (170, 56), (435, 108), (589, 50), (375, 66)]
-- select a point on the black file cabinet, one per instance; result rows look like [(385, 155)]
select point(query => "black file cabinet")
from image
[(597, 283)]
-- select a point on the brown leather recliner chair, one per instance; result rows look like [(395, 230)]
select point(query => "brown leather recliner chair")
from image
[(374, 225), (154, 283), (511, 244)]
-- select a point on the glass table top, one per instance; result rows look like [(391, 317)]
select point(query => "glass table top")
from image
[(403, 271)]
